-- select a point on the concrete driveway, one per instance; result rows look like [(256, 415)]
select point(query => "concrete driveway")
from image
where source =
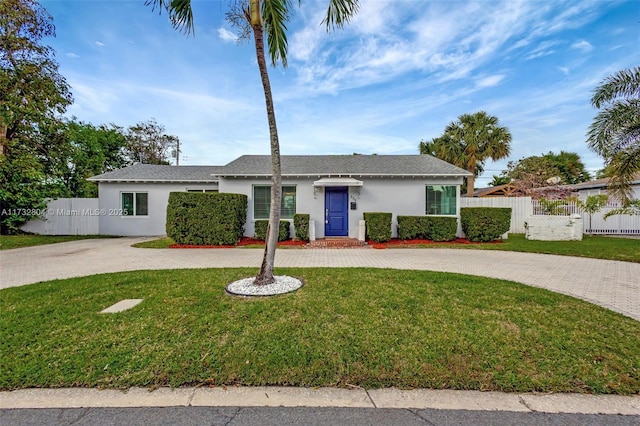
[(612, 284)]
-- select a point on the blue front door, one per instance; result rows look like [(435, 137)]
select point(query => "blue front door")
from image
[(336, 223)]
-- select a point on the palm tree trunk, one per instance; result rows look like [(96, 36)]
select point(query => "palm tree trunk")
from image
[(265, 276), (471, 180)]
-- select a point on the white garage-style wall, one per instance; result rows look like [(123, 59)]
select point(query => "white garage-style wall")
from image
[(113, 222)]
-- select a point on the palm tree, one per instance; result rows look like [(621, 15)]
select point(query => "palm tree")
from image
[(258, 16), (469, 142), (615, 131)]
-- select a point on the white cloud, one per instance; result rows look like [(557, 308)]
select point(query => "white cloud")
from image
[(72, 55), (565, 70), (226, 35), (99, 43), (489, 81), (583, 45)]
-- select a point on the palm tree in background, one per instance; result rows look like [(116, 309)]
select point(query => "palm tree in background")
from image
[(257, 17), (469, 142), (615, 131)]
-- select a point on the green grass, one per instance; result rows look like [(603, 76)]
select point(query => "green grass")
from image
[(361, 327), (18, 241), (159, 243), (596, 247)]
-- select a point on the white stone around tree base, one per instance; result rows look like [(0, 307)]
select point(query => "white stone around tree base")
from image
[(283, 284)]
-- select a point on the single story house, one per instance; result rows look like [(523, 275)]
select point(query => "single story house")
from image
[(335, 190), (599, 187)]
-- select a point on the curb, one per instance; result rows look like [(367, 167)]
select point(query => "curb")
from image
[(321, 397)]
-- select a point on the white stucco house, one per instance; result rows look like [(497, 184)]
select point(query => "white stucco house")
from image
[(335, 190), (599, 187)]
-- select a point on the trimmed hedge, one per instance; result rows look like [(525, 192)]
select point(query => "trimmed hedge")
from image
[(206, 218), (434, 228), (485, 223), (413, 227), (378, 226), (261, 230), (301, 226)]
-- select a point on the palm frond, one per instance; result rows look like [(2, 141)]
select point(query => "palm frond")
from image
[(340, 13), (611, 124), (623, 84), (180, 13), (625, 166), (275, 15)]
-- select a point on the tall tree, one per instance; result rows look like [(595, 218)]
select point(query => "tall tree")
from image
[(572, 169), (547, 169), (33, 95), (147, 143), (615, 131), (257, 17), (469, 142), (83, 150), (533, 172)]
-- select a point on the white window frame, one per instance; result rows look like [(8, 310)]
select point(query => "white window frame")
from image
[(456, 198), (135, 204), (295, 207)]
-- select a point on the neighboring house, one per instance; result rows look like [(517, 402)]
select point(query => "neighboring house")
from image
[(599, 186), (333, 189)]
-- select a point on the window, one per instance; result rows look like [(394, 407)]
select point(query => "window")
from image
[(135, 204), (262, 202), (441, 200)]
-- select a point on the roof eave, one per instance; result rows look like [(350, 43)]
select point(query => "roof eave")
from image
[(130, 180), (245, 175)]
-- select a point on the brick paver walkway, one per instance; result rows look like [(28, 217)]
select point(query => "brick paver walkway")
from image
[(612, 284)]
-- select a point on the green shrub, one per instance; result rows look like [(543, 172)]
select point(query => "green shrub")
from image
[(261, 230), (485, 223), (378, 226), (413, 227), (301, 226), (206, 218), (442, 228), (433, 228)]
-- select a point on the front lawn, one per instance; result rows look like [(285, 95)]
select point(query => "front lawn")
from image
[(28, 240), (345, 327), (594, 246)]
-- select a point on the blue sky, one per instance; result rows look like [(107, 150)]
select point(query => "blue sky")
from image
[(398, 74)]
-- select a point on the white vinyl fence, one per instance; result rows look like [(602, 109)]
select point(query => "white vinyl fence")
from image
[(596, 223), (67, 216), (523, 207)]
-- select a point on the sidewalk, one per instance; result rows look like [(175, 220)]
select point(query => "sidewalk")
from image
[(322, 397)]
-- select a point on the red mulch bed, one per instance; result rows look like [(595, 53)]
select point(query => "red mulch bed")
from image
[(244, 241), (394, 242)]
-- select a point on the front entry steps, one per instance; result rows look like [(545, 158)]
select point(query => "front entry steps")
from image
[(337, 243)]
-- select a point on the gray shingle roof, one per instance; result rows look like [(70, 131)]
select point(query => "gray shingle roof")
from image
[(343, 165), (160, 173), (292, 165)]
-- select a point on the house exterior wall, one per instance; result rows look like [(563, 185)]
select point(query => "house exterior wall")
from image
[(584, 193), (399, 196), (113, 223)]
